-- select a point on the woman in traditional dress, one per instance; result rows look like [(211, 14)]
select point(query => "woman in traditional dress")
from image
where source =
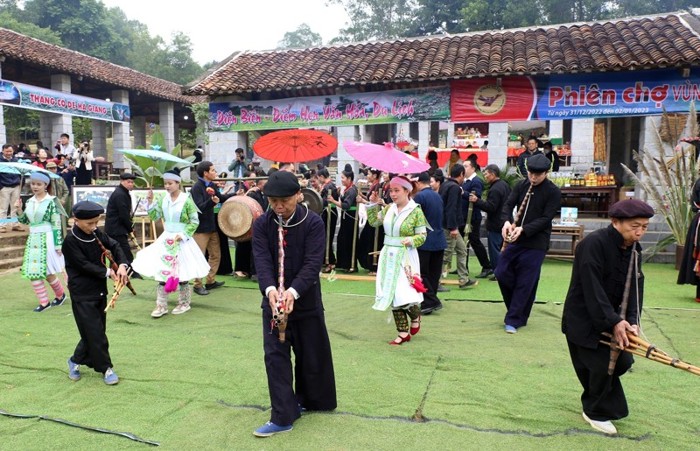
[(43, 259), (398, 276), (371, 238), (690, 265), (174, 258), (329, 216), (347, 235)]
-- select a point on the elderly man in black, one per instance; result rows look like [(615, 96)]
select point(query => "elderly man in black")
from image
[(593, 306), (119, 220), (306, 334), (519, 265)]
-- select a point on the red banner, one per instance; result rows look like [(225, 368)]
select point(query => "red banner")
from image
[(487, 100)]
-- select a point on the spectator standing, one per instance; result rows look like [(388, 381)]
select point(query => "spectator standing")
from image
[(9, 191), (473, 184), (119, 222), (531, 149)]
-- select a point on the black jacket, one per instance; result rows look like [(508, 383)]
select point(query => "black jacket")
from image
[(536, 219), (207, 223), (451, 194), (493, 205), (598, 277), (119, 220)]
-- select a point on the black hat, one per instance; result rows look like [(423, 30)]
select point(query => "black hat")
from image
[(424, 177), (538, 163), (281, 184), (127, 176), (87, 210), (631, 208)]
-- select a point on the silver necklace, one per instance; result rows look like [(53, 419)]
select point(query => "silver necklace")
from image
[(80, 239)]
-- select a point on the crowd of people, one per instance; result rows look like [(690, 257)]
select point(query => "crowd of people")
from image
[(417, 224)]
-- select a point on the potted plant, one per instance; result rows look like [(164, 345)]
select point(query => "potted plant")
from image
[(666, 175)]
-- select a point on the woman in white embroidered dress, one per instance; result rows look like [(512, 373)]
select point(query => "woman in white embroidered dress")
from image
[(174, 258), (398, 272), (43, 259)]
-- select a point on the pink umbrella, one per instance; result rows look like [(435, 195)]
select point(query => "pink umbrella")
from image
[(385, 158)]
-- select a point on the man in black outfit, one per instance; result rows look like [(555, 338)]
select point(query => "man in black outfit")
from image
[(473, 184), (493, 205), (119, 220), (520, 264), (310, 383), (593, 306)]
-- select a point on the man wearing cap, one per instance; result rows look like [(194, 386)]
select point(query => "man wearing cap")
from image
[(119, 221), (519, 265), (593, 306), (432, 251), (87, 283), (310, 384)]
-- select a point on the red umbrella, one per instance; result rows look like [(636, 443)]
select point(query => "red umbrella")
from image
[(385, 158), (294, 146)]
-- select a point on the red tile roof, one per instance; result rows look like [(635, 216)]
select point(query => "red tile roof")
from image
[(61, 60), (666, 40)]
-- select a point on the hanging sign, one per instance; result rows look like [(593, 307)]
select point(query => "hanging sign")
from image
[(48, 100), (387, 107)]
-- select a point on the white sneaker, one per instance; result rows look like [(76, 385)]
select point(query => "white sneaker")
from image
[(606, 427), (181, 308), (160, 311)]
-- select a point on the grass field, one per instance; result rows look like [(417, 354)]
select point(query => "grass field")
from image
[(197, 381)]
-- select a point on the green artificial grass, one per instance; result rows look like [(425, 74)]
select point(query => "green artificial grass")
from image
[(198, 380)]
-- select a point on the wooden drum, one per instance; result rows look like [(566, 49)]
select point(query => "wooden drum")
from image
[(237, 215)]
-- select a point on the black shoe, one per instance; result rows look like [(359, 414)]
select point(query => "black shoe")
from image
[(453, 272), (485, 273), (136, 276), (40, 308), (442, 289), (469, 283), (254, 277), (212, 286), (58, 301), (492, 278), (200, 291), (429, 310)]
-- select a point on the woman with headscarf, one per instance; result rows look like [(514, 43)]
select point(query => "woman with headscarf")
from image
[(43, 258), (690, 265), (174, 258), (347, 209), (398, 276), (371, 238)]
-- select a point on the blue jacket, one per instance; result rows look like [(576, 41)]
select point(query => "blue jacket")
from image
[(8, 179), (468, 186), (431, 204)]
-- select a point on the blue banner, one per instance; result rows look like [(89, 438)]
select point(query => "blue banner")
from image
[(638, 93), (42, 99)]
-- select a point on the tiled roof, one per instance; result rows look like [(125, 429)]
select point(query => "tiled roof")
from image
[(61, 60), (633, 43)]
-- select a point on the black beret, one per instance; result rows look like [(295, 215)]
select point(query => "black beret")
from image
[(538, 163), (281, 184), (424, 177), (127, 176), (631, 208), (87, 210)]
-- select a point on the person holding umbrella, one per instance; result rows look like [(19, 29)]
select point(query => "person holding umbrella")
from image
[(347, 235), (398, 282), (43, 258)]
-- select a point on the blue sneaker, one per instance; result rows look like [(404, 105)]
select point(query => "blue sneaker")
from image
[(73, 371), (111, 377), (270, 428), (511, 329), (58, 301)]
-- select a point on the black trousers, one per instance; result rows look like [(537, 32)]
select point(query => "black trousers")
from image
[(603, 397), (124, 244), (430, 271), (93, 348), (479, 249), (312, 382)]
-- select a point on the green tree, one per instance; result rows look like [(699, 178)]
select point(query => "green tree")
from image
[(376, 19), (301, 38), (9, 20), (438, 17)]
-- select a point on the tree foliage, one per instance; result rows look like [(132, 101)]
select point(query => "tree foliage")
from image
[(376, 19), (301, 38)]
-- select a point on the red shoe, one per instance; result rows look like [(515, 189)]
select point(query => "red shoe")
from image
[(697, 300), (415, 330), (401, 340)]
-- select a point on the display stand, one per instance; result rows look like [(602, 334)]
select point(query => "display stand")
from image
[(146, 222)]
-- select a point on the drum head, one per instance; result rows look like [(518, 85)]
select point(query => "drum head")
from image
[(312, 200), (235, 219)]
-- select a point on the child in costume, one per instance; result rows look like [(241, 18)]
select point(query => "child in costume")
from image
[(43, 259), (174, 258), (398, 272), (87, 283)]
